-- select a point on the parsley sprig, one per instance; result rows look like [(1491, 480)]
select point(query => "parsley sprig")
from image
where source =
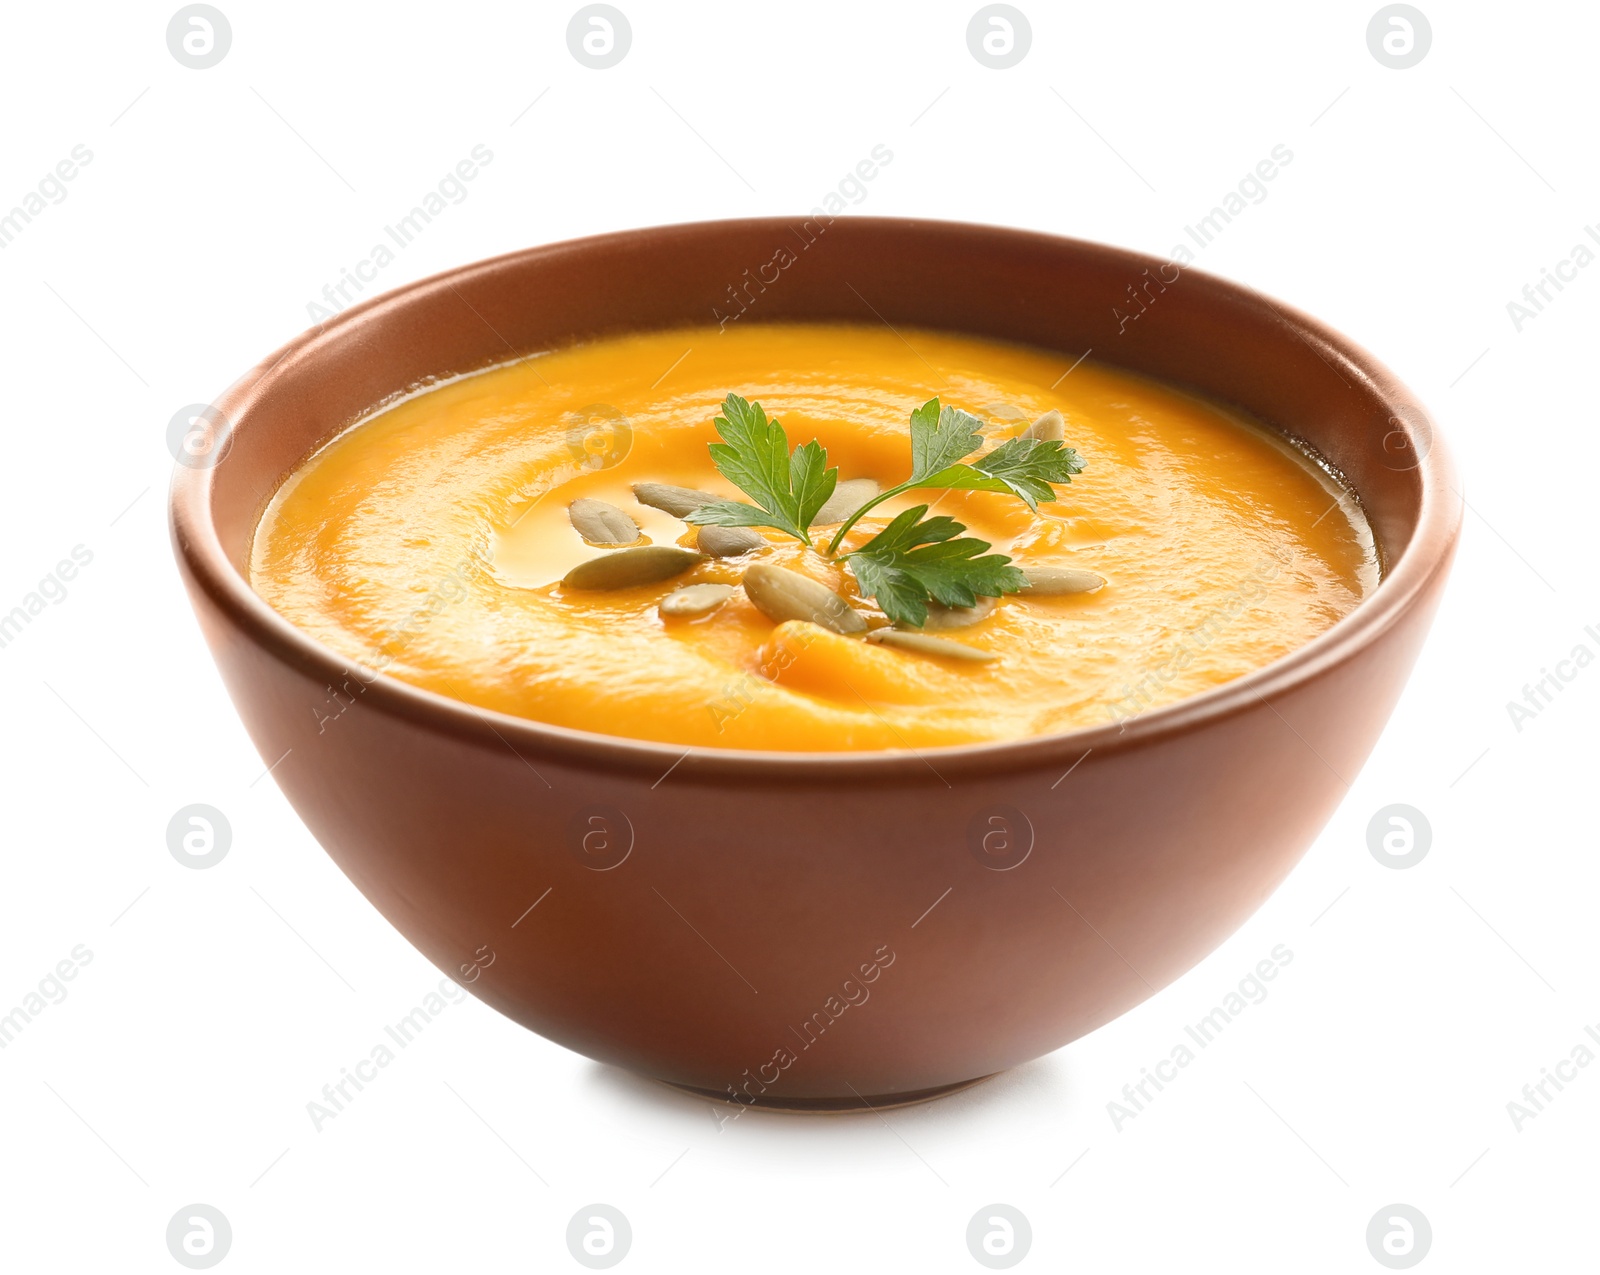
[(754, 456), (915, 559), (942, 436)]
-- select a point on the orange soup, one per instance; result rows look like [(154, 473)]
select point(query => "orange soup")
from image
[(452, 540)]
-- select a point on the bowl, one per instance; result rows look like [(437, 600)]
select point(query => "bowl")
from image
[(819, 931)]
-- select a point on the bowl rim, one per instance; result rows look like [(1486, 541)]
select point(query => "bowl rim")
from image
[(1409, 574)]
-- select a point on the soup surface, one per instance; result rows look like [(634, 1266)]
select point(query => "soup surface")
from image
[(429, 542)]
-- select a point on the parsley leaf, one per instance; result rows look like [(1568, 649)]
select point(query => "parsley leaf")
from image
[(915, 558), (1022, 467), (940, 436), (754, 456)]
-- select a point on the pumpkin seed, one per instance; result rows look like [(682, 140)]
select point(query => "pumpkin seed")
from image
[(781, 594), (1047, 582), (695, 599), (677, 501), (628, 567), (847, 497), (729, 542), (601, 523), (943, 617), (1052, 425), (924, 644)]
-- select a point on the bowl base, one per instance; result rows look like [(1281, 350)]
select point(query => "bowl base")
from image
[(853, 1104)]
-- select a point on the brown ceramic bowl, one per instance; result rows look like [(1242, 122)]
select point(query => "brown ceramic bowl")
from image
[(814, 930)]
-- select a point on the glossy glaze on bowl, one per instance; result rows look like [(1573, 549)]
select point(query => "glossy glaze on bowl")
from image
[(710, 918)]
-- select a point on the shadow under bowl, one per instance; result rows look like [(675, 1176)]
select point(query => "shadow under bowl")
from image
[(820, 931)]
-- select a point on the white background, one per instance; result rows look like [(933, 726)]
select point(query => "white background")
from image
[(219, 1002)]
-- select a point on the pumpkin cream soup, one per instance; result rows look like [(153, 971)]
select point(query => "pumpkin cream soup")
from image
[(811, 537)]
